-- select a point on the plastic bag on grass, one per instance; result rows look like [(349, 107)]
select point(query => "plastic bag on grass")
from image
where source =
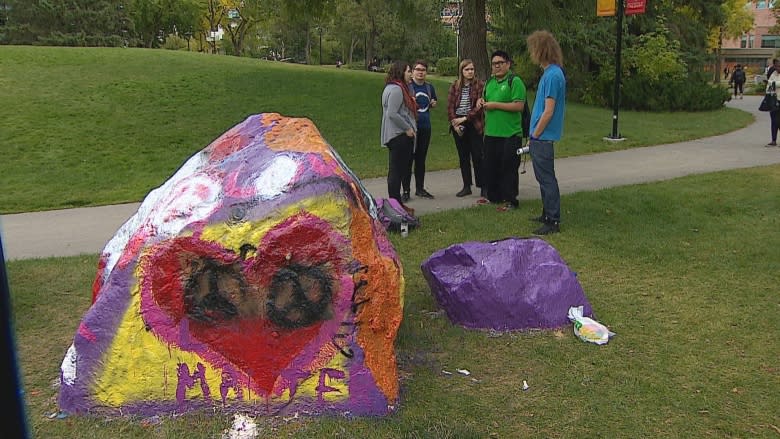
[(588, 329)]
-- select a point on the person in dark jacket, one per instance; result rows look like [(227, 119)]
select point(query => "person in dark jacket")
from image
[(738, 79)]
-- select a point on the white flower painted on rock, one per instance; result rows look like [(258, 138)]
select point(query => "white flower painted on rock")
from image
[(276, 177)]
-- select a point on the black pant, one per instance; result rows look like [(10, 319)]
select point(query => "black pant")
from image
[(738, 87), (418, 160), (774, 117), (400, 149), (471, 151), (501, 165)]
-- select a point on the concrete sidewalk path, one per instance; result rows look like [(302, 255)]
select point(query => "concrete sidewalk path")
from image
[(72, 232)]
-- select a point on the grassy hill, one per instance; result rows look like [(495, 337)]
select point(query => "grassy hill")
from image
[(93, 126)]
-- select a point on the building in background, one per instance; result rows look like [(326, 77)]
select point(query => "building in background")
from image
[(755, 49)]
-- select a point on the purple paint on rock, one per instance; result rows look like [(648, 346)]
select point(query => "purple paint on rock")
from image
[(511, 284)]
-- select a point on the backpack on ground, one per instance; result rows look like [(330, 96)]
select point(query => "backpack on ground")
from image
[(393, 215)]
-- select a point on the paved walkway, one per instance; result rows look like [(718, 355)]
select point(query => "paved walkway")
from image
[(87, 230)]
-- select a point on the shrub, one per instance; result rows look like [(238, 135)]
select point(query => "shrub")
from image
[(655, 78), (447, 66), (175, 42), (694, 93), (356, 65)]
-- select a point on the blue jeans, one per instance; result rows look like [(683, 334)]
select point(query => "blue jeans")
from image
[(543, 159)]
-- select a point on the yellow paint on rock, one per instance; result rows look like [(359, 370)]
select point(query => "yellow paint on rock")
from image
[(140, 367), (330, 207)]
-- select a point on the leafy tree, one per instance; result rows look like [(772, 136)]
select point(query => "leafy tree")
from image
[(737, 20), (242, 17), (67, 22)]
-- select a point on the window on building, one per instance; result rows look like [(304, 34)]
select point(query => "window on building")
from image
[(743, 42), (761, 4), (771, 41), (751, 41)]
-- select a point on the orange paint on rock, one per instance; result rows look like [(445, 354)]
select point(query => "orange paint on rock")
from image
[(381, 316)]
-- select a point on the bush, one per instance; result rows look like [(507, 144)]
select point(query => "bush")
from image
[(694, 93), (175, 42), (447, 66), (355, 65)]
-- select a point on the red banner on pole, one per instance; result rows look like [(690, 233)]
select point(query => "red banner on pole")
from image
[(635, 7), (605, 8)]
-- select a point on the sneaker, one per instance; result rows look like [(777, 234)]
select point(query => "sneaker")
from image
[(548, 228), (483, 201), (405, 197), (423, 193), (770, 144), (463, 192), (506, 207)]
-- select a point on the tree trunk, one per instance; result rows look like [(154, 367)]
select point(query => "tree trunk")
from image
[(717, 57), (473, 36)]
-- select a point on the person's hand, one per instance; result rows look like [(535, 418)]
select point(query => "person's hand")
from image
[(480, 103), (433, 103), (410, 132)]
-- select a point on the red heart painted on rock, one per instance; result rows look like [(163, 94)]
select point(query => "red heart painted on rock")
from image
[(257, 313)]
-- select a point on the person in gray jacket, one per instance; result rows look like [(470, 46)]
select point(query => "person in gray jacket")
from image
[(399, 125)]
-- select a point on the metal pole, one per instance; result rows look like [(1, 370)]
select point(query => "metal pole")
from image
[(618, 51), (320, 46)]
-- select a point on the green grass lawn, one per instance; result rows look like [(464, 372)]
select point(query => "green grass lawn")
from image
[(95, 126), (684, 271)]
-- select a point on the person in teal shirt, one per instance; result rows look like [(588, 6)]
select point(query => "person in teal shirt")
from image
[(547, 126), (503, 103)]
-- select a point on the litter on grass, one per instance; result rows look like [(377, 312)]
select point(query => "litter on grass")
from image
[(588, 329), (243, 427)]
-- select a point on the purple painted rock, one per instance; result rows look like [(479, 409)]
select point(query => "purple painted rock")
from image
[(257, 279), (505, 285)]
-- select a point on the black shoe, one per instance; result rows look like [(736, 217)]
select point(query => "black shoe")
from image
[(423, 193), (539, 219), (405, 197), (463, 192), (548, 228)]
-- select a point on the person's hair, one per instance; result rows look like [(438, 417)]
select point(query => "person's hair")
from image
[(775, 61), (396, 71), (461, 80), (544, 49), (420, 62), (502, 54)]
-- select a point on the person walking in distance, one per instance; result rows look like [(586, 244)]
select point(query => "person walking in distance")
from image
[(399, 125), (772, 84), (466, 125), (503, 102), (547, 125), (738, 79), (425, 96)]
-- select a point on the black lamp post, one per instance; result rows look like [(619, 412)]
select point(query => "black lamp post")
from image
[(320, 29)]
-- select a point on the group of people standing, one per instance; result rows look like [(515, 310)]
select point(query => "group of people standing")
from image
[(486, 126)]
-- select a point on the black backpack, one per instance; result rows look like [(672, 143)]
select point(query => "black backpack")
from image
[(739, 76)]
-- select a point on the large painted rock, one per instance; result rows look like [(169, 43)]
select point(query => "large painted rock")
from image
[(511, 284), (257, 279)]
